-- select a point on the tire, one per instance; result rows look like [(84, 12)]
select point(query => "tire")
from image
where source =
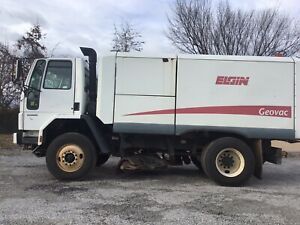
[(68, 147), (228, 161), (102, 158)]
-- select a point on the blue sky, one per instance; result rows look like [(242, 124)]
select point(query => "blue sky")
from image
[(70, 24)]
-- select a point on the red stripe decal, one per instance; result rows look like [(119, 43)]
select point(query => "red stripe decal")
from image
[(272, 111)]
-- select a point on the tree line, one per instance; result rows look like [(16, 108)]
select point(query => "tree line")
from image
[(199, 27), (28, 47), (194, 26)]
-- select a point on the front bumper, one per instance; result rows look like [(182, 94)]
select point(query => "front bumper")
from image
[(20, 139), (17, 138)]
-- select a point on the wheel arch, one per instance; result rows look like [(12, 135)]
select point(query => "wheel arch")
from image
[(210, 155), (90, 127), (208, 136), (255, 144)]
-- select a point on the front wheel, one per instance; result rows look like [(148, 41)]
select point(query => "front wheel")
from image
[(228, 161), (70, 156)]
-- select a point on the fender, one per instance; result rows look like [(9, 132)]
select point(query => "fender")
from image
[(94, 125), (49, 121), (98, 132)]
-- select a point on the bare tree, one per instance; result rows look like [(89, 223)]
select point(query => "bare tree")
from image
[(195, 27), (8, 91), (31, 44), (30, 48), (127, 39)]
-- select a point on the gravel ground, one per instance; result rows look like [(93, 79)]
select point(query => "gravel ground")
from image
[(179, 195)]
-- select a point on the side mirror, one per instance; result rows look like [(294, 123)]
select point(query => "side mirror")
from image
[(18, 73)]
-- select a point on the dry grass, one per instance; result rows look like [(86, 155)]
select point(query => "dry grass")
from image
[(6, 141)]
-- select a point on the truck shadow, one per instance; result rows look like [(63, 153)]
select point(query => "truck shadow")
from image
[(186, 173), (273, 175)]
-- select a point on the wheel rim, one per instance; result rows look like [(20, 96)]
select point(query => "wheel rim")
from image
[(230, 162), (70, 158)]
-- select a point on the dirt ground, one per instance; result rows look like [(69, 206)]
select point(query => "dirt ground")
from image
[(179, 195), (6, 141)]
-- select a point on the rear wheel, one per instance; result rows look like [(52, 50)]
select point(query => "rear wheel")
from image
[(70, 156), (228, 161)]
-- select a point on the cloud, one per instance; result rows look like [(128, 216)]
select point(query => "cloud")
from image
[(287, 6), (90, 23), (70, 24)]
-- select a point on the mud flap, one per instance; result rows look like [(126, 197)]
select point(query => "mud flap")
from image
[(97, 132), (258, 152), (273, 155)]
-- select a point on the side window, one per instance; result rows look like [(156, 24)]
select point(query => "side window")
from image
[(33, 97), (58, 75)]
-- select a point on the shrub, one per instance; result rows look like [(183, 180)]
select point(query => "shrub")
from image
[(8, 120)]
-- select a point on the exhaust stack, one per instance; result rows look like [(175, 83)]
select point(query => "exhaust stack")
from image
[(92, 55)]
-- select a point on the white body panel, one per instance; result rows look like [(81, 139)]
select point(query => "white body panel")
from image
[(106, 90), (153, 95), (144, 84), (145, 76), (126, 104), (270, 84)]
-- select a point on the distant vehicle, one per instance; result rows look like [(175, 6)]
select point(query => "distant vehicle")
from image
[(219, 112)]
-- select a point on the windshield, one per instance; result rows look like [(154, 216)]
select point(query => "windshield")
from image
[(37, 74)]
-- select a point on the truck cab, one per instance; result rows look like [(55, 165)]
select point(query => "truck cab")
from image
[(50, 94)]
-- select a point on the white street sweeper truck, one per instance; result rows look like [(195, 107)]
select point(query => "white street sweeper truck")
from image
[(218, 112)]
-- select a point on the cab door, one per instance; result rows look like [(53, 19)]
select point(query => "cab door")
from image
[(50, 93)]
